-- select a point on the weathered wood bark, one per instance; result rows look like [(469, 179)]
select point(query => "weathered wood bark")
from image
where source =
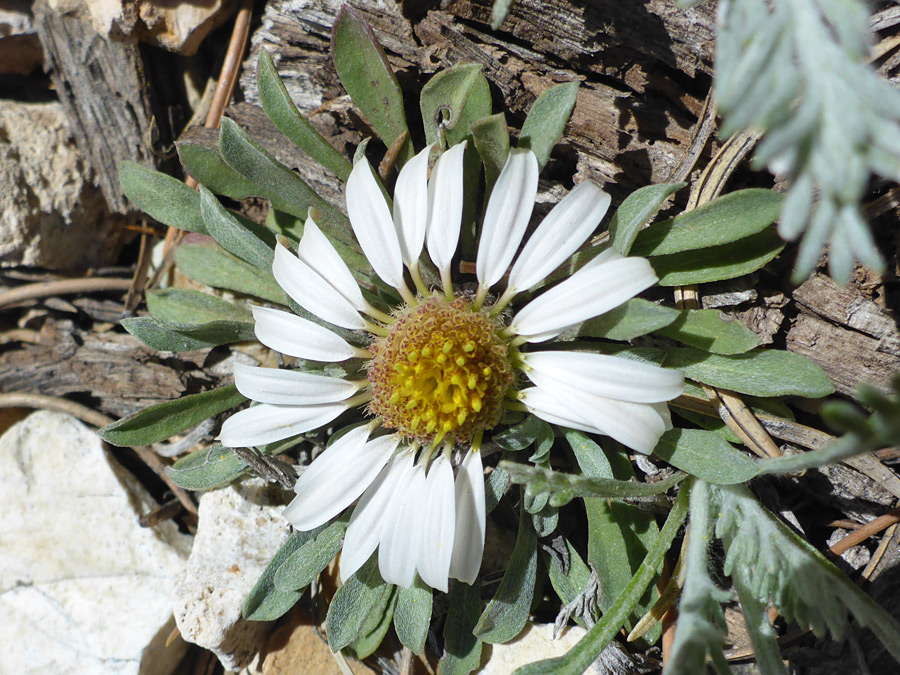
[(851, 337), (117, 372), (643, 69), (102, 87)]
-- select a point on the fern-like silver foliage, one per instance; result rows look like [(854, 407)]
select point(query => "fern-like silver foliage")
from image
[(797, 70)]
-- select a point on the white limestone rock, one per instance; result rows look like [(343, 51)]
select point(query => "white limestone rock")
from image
[(50, 213), (239, 531), (83, 587)]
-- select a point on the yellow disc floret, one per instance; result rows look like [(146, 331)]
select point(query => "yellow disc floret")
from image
[(441, 372)]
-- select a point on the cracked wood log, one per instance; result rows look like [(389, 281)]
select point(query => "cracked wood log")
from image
[(852, 338), (103, 88), (644, 71)]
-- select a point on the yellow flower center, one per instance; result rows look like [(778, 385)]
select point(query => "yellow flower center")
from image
[(441, 372)]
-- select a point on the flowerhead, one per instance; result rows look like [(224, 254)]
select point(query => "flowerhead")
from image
[(441, 367)]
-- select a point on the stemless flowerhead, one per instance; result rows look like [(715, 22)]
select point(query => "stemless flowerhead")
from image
[(441, 367)]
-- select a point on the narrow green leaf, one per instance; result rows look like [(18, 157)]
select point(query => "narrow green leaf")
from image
[(712, 331), (491, 137), (638, 209), (354, 603), (547, 119), (521, 435), (462, 649), (367, 76), (706, 455), (265, 602), (277, 183), (718, 262), (207, 469), (201, 159), (453, 100), (619, 535), (164, 420), (728, 219), (178, 337), (630, 320), (284, 114), (178, 305), (232, 235), (582, 655), (495, 486), (300, 569), (211, 265), (375, 626), (412, 615), (507, 612), (162, 197), (836, 451), (762, 372)]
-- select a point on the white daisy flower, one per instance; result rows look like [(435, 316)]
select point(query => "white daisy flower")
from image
[(442, 368)]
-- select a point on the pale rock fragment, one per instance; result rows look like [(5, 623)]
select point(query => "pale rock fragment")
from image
[(83, 587), (239, 531)]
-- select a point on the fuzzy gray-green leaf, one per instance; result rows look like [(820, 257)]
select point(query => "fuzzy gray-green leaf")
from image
[(276, 182), (232, 235), (453, 100), (712, 331), (164, 420), (265, 602), (462, 649), (764, 372), (412, 615), (491, 138), (201, 159), (178, 305), (207, 469), (284, 114), (367, 76), (507, 612), (304, 565), (547, 119), (706, 455), (177, 337), (212, 265), (735, 216), (637, 209), (162, 197), (719, 262), (629, 320), (353, 604)]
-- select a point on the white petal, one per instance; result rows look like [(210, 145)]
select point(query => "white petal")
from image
[(468, 541), (319, 254), (584, 295), (559, 235), (636, 425), (344, 471), (290, 387), (411, 206), (605, 256), (400, 540), (604, 375), (295, 336), (438, 525), (312, 292), (267, 423), (551, 409), (373, 225), (507, 215), (366, 523), (445, 206)]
